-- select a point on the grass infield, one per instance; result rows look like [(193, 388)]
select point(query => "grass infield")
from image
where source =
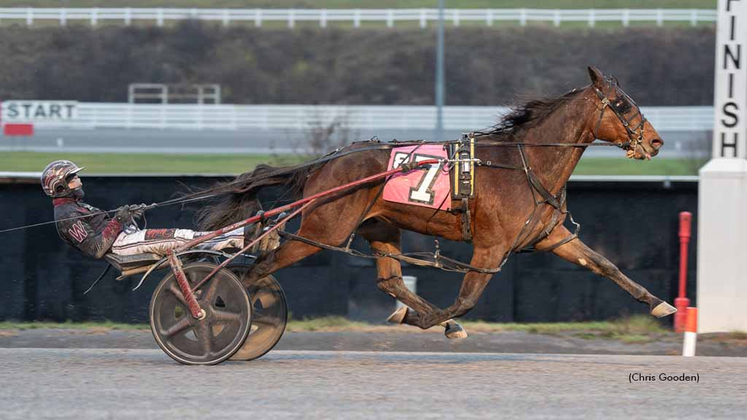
[(105, 163), (634, 329), (638, 329), (639, 325)]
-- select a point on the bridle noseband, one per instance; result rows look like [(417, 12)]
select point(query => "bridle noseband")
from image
[(635, 134)]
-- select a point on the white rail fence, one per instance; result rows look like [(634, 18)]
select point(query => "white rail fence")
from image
[(357, 17), (303, 117)]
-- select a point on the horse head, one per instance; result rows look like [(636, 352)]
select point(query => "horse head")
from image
[(623, 124)]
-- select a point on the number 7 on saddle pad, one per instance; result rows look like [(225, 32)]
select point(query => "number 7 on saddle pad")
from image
[(427, 188)]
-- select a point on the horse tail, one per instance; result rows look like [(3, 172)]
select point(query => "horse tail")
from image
[(237, 199)]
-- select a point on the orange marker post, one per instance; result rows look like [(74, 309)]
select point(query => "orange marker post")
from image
[(691, 332), (682, 302)]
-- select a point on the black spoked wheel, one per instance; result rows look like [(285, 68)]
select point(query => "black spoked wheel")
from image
[(269, 317), (214, 338)]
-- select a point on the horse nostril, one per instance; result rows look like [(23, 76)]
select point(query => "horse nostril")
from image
[(656, 143)]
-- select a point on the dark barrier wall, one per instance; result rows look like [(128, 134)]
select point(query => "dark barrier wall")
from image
[(633, 223)]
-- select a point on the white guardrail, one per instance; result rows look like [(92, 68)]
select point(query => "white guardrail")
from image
[(323, 17), (303, 117)]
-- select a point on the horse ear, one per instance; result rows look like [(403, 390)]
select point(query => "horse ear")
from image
[(595, 75)]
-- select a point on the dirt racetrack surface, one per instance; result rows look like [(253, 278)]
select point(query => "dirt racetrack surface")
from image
[(143, 384), (120, 374)]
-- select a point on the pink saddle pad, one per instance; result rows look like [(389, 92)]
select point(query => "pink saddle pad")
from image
[(427, 187)]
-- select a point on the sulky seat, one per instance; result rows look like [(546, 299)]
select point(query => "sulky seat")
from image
[(130, 262)]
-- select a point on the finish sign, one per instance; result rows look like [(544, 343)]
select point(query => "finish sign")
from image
[(730, 102)]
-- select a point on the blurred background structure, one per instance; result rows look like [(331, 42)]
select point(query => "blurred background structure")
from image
[(232, 83)]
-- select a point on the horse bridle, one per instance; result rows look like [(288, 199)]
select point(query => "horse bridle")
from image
[(635, 134)]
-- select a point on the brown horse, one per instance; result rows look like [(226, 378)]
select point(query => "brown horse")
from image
[(499, 211)]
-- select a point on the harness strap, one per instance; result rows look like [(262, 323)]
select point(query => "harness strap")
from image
[(552, 225), (605, 104), (564, 241), (466, 220), (444, 263), (537, 185), (491, 164)]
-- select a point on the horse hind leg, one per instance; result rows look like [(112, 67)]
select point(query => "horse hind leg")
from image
[(330, 224), (385, 238), (289, 252), (473, 285)]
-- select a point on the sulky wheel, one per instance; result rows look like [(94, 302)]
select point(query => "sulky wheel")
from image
[(269, 316), (212, 339)]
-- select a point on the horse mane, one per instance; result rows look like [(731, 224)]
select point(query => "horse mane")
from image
[(528, 115)]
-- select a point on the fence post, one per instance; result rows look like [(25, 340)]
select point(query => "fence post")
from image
[(592, 18), (128, 16), (422, 18), (659, 18), (291, 18), (357, 18), (159, 17), (694, 17), (257, 18), (94, 121), (456, 16), (95, 16), (63, 17), (626, 17), (162, 115), (29, 16), (389, 18), (523, 17), (556, 18), (265, 118), (323, 19), (489, 18), (226, 17)]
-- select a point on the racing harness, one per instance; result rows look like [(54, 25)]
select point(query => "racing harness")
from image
[(463, 161)]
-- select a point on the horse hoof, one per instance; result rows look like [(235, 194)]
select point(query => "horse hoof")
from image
[(398, 316), (454, 330), (663, 309)]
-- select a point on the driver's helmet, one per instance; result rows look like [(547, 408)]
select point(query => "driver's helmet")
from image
[(54, 179)]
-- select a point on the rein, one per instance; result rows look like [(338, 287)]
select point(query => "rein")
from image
[(227, 187)]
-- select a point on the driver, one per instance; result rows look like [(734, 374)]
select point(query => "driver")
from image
[(93, 232)]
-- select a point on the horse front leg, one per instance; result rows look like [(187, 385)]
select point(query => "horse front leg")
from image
[(580, 254)]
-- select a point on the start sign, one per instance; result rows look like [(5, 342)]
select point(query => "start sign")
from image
[(38, 111)]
